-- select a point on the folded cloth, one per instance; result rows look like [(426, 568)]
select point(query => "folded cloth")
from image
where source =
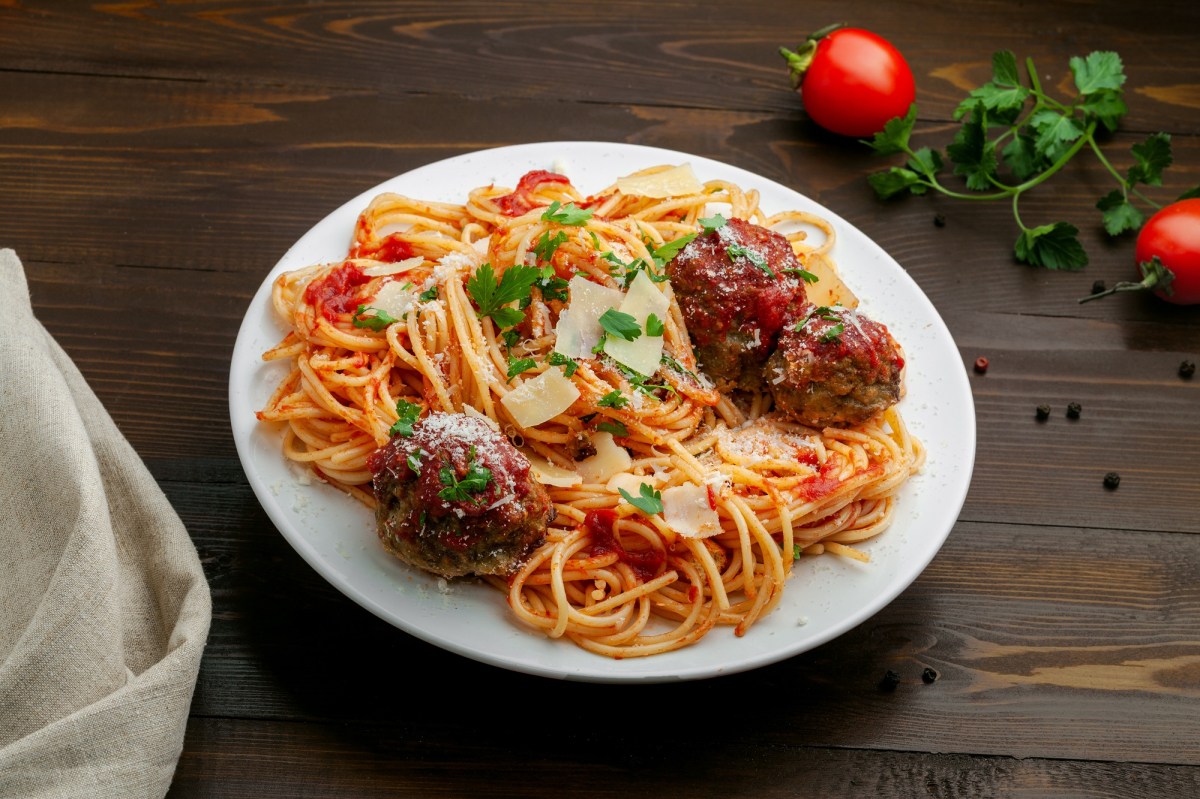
[(104, 609)]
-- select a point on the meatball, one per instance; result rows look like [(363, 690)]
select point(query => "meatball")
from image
[(834, 366), (456, 498), (736, 294)]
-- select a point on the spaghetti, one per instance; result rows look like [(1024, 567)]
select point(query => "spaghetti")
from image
[(740, 492)]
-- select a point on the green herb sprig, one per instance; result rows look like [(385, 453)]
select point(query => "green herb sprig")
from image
[(1015, 136)]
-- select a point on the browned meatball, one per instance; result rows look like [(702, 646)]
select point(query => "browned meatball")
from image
[(736, 293), (834, 366), (456, 498)]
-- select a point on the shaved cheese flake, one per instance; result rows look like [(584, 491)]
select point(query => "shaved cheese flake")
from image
[(578, 329), (644, 353), (380, 270), (829, 290), (674, 182), (687, 512), (632, 483), (394, 297), (610, 459), (540, 399), (551, 474)]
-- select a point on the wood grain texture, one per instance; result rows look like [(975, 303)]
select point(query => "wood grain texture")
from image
[(156, 159)]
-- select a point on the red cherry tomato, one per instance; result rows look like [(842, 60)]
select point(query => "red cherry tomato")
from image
[(1173, 235), (852, 81)]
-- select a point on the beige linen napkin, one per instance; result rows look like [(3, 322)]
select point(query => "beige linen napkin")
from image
[(104, 609)]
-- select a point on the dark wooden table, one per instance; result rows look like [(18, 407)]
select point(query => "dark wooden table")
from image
[(156, 159)]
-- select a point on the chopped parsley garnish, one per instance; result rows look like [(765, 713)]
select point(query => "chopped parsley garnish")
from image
[(595, 240), (648, 501), (547, 245), (614, 426), (518, 365), (475, 481), (428, 294), (738, 251), (414, 461), (796, 550), (375, 321), (613, 399), (654, 326), (820, 312), (639, 381), (511, 337), (558, 359), (712, 223), (551, 285), (620, 324), (833, 334), (626, 272), (570, 214), (670, 362), (665, 253), (803, 274), (409, 413), (491, 296)]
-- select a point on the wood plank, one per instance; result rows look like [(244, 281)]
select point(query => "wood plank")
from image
[(240, 172), (665, 54), (1083, 639), (265, 759)]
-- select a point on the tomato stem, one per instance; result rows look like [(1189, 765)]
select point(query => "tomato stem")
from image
[(1157, 277)]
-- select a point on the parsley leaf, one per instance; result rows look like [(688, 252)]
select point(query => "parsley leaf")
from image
[(654, 326), (621, 325), (1151, 157), (802, 273), (1119, 214), (834, 333), (428, 294), (1100, 70), (414, 461), (974, 156), (895, 134), (473, 482), (409, 414), (753, 256), (376, 321), (669, 250), (613, 399), (558, 359), (1003, 96), (518, 365), (890, 182), (1022, 157), (491, 296), (570, 214), (1055, 133), (1053, 246), (648, 501), (712, 223), (551, 285), (547, 245), (614, 426), (1105, 105)]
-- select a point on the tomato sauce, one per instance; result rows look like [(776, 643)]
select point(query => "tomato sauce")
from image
[(337, 292), (391, 249), (520, 201), (601, 526)]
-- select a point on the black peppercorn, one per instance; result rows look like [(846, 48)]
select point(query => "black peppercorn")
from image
[(1187, 369), (939, 220), (929, 675), (1098, 287), (890, 680), (1073, 410), (1112, 480), (1043, 412)]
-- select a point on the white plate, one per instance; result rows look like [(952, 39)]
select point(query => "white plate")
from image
[(826, 597)]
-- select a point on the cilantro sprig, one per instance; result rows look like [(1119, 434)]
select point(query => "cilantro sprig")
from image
[(1014, 136), (491, 295)]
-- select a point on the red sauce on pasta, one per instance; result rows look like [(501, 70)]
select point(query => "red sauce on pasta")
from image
[(601, 526), (520, 201), (337, 292)]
